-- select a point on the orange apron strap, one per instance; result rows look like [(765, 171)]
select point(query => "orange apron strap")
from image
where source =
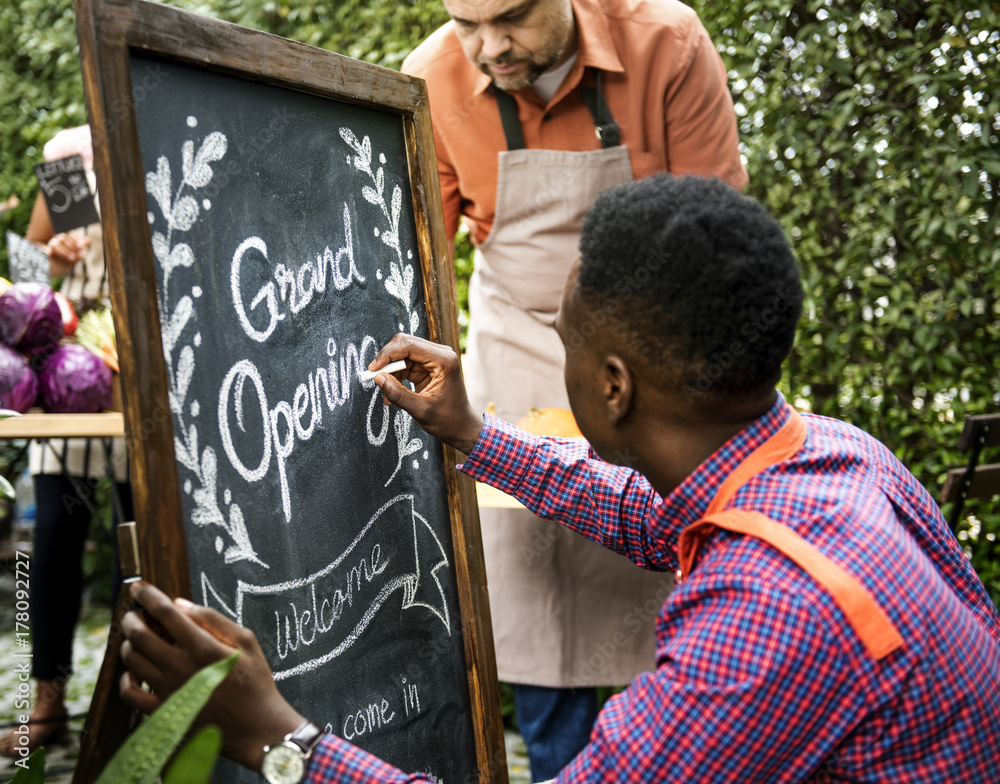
[(869, 621), (780, 447)]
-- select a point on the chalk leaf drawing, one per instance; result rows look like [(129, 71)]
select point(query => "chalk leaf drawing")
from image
[(180, 210), (399, 280)]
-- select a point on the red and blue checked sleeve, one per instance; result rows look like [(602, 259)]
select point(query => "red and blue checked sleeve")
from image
[(563, 479), (335, 761)]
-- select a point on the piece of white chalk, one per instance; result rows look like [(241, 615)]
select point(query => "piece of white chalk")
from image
[(392, 367)]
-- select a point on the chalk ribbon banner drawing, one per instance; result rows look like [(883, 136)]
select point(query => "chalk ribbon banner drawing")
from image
[(272, 217)]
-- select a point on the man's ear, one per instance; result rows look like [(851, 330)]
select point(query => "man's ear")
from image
[(619, 389)]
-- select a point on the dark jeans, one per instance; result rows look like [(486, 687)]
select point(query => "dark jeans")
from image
[(555, 724), (61, 524)]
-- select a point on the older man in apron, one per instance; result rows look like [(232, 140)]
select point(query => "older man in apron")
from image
[(538, 107)]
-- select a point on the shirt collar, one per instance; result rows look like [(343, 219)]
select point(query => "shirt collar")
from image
[(690, 499), (595, 47)]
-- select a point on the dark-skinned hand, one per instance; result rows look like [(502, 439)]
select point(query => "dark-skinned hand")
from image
[(246, 706), (440, 404), (66, 249)]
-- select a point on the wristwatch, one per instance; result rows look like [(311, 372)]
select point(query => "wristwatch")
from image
[(286, 762)]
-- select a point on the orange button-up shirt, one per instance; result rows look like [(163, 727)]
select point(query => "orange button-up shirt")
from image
[(663, 81)]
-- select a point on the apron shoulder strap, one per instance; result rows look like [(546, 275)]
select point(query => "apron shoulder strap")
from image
[(511, 123), (868, 620), (605, 127)]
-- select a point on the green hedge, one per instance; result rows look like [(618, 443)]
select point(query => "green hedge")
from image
[(870, 131)]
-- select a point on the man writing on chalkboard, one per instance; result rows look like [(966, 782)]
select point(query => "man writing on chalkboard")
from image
[(538, 106), (828, 626)]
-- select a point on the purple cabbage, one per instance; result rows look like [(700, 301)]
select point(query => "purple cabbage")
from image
[(18, 382), (74, 380), (30, 318)]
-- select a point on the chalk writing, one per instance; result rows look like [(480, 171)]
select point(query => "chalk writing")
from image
[(284, 423), (323, 615), (370, 718), (411, 697)]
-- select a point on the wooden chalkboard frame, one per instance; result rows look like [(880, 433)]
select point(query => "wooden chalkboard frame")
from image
[(110, 31)]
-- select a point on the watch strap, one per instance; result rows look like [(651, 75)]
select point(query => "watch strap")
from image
[(306, 736)]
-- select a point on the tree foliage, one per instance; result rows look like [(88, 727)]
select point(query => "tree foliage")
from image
[(869, 129), (41, 90)]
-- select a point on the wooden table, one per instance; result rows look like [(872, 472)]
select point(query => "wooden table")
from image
[(107, 424)]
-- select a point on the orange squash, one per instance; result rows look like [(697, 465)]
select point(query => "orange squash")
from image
[(558, 422)]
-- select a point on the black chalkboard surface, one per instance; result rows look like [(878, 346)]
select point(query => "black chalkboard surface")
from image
[(272, 218), (284, 237), (28, 263)]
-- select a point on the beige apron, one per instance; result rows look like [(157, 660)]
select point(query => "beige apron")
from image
[(566, 611)]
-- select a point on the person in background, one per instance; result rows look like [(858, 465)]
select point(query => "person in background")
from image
[(828, 626), (65, 473), (538, 106)]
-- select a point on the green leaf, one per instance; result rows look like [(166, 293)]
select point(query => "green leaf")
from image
[(196, 759), (143, 755), (34, 770)]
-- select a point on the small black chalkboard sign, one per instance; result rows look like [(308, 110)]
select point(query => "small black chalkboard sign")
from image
[(67, 193), (28, 263), (272, 218)]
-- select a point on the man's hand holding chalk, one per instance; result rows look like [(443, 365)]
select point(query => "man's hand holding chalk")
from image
[(440, 404)]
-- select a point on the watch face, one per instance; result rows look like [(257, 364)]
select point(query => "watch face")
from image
[(284, 764)]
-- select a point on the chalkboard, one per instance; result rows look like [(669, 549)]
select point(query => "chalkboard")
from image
[(274, 219), (28, 263), (67, 195)]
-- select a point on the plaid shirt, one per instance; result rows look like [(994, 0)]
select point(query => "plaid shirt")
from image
[(759, 676)]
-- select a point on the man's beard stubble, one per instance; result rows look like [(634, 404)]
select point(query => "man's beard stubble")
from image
[(514, 81)]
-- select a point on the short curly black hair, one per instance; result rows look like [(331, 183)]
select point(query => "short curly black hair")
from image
[(699, 280)]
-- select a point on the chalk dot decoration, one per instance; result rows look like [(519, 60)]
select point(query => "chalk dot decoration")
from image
[(192, 121), (206, 203), (196, 291), (378, 274), (150, 217), (219, 544), (196, 409), (187, 486)]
